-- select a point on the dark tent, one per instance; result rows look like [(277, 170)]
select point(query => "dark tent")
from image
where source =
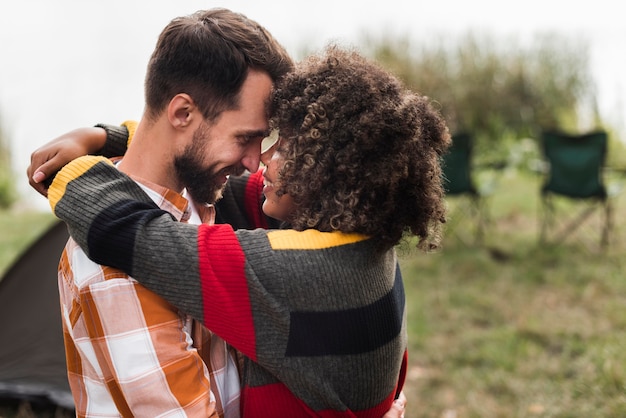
[(32, 356)]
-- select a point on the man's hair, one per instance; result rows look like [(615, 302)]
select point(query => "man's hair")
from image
[(208, 55), (362, 152)]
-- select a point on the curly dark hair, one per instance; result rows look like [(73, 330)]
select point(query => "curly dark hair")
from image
[(362, 152)]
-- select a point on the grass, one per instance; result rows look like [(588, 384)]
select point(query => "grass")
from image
[(514, 329), (508, 328)]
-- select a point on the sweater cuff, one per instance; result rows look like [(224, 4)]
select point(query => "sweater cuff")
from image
[(72, 171), (117, 138)]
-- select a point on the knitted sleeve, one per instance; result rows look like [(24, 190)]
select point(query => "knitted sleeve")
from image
[(118, 225), (294, 302), (107, 212), (116, 140)]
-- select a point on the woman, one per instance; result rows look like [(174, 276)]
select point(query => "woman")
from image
[(318, 310)]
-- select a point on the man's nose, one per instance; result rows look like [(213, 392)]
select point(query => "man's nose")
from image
[(252, 159)]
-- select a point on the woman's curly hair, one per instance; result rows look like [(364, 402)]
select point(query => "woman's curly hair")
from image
[(362, 152)]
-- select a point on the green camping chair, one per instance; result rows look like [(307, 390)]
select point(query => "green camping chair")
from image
[(574, 174), (466, 200)]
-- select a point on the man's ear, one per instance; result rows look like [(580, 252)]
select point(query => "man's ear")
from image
[(181, 111)]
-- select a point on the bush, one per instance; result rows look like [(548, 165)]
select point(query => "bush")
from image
[(496, 88), (8, 193)]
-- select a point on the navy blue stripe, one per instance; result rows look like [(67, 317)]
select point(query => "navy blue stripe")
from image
[(350, 331), (112, 234)]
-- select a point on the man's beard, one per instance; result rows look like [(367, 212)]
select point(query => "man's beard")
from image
[(202, 183)]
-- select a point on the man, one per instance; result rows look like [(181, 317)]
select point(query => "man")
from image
[(128, 351)]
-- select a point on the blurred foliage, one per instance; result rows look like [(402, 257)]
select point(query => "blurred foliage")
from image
[(500, 90), (8, 192)]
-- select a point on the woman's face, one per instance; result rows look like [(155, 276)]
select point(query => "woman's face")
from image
[(274, 206)]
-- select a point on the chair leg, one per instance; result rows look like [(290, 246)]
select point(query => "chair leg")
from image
[(482, 218), (608, 220), (552, 233), (570, 227), (547, 212)]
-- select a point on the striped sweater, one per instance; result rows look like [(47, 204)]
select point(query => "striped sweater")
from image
[(319, 316)]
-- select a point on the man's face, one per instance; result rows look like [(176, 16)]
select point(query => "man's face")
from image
[(228, 145)]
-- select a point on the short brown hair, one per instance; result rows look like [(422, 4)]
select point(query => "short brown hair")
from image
[(362, 152), (207, 55)]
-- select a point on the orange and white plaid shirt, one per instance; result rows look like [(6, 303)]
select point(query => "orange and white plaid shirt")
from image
[(129, 352)]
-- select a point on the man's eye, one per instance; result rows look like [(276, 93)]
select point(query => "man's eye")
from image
[(248, 139)]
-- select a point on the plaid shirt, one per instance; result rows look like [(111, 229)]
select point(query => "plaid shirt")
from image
[(129, 352)]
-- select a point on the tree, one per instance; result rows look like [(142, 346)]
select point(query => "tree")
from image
[(8, 194), (498, 89)]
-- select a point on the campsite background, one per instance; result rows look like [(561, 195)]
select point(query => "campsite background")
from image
[(507, 328)]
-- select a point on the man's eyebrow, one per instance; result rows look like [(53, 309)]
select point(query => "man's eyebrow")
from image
[(254, 133)]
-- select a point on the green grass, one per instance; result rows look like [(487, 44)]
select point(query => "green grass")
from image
[(514, 329), (503, 329)]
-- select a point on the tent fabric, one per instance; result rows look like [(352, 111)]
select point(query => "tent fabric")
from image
[(32, 355)]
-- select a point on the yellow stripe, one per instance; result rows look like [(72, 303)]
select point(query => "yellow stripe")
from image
[(310, 239), (131, 125), (71, 171)]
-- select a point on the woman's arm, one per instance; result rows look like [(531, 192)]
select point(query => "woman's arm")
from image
[(241, 285), (108, 214), (106, 140)]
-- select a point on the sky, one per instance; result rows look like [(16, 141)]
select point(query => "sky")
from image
[(65, 64)]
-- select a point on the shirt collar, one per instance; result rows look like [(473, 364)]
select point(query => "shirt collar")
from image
[(166, 199)]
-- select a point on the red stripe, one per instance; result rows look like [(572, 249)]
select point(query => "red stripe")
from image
[(403, 370), (225, 295), (252, 200), (275, 400)]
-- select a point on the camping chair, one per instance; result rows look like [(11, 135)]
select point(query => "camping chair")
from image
[(469, 205), (575, 175)]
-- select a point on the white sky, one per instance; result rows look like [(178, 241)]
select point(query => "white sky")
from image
[(71, 63)]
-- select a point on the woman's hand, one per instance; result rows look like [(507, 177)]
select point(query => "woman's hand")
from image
[(398, 407), (51, 157)]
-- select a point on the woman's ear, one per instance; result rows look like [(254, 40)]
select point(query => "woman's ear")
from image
[(181, 111)]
